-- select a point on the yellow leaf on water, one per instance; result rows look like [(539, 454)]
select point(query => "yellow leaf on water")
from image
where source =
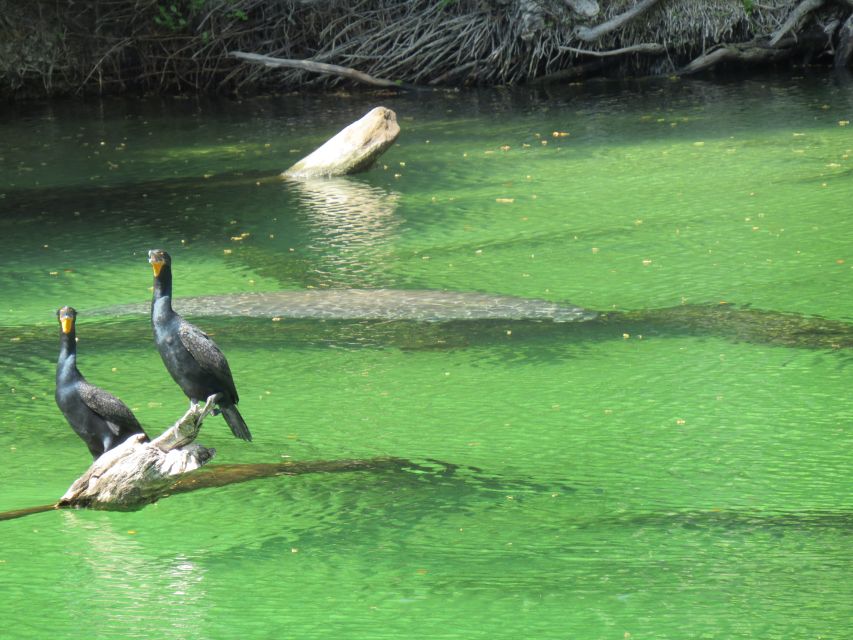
[(505, 200)]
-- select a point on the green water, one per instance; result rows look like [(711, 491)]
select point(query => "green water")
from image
[(608, 485)]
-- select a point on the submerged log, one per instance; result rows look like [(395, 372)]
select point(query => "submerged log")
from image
[(223, 475), (354, 149), (137, 473)]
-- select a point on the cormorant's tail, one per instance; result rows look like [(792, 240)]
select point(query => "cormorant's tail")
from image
[(236, 422)]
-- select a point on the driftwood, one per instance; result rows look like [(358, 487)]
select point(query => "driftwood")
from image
[(353, 149), (136, 471), (223, 475), (317, 67)]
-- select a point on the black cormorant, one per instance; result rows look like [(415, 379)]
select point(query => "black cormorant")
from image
[(99, 418), (190, 356)]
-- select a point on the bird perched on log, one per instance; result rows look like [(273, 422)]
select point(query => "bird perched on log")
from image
[(98, 417), (191, 357)]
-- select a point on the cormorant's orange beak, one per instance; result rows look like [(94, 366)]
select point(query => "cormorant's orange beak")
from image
[(67, 323), (156, 266)]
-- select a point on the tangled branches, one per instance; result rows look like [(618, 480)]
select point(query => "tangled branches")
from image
[(183, 45)]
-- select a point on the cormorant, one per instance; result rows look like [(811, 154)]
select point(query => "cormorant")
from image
[(191, 357), (99, 418)]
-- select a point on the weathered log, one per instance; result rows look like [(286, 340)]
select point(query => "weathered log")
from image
[(353, 149), (222, 475), (136, 472)]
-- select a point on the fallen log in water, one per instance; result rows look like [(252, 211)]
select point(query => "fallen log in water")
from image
[(353, 149), (218, 476), (137, 473)]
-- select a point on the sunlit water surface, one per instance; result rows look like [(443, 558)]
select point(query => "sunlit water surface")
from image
[(604, 484)]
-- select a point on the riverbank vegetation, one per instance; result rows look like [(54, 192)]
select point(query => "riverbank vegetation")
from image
[(53, 47)]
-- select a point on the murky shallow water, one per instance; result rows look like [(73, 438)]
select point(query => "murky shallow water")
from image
[(664, 485)]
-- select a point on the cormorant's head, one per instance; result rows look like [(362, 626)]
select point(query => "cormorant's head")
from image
[(67, 316), (158, 258)]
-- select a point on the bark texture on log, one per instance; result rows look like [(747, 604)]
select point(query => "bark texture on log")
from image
[(136, 472), (353, 149)]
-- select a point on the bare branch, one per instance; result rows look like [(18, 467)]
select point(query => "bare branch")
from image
[(315, 67), (794, 17), (589, 34), (735, 53), (646, 47)]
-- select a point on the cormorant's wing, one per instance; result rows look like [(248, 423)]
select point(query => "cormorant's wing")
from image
[(207, 355), (114, 412)]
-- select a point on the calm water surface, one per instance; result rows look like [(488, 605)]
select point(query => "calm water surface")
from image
[(609, 485)]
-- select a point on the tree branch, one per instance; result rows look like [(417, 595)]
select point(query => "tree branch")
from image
[(732, 53), (136, 472), (589, 34), (317, 67), (646, 47), (794, 17)]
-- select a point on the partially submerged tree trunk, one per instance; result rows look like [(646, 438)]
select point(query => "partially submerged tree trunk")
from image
[(353, 149), (135, 472)]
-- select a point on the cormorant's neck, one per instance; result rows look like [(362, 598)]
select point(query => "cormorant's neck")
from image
[(67, 362), (161, 305), (163, 283), (67, 344)]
